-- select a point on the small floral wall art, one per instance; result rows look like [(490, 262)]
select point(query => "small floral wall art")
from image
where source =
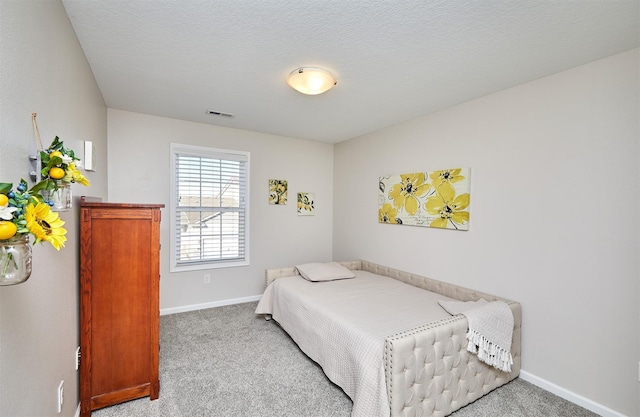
[(278, 192), (430, 199), (306, 204)]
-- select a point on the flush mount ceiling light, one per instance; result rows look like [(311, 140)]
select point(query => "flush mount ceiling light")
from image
[(312, 81)]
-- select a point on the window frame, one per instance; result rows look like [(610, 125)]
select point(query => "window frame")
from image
[(213, 153)]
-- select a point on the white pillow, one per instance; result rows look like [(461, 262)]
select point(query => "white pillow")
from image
[(324, 271)]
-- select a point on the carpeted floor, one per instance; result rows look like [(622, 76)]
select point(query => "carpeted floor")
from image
[(226, 362)]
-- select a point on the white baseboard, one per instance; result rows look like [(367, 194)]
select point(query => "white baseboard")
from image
[(212, 304), (570, 396)]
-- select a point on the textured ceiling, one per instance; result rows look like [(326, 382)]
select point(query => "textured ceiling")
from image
[(394, 60)]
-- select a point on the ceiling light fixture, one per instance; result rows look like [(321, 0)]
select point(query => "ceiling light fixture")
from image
[(311, 81)]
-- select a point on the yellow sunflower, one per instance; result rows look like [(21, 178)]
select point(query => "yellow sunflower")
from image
[(45, 225), (405, 194), (448, 207), (387, 214)]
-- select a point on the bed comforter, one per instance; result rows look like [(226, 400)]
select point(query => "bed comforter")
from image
[(342, 325)]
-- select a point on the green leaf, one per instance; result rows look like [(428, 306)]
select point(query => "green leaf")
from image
[(36, 199), (5, 187), (56, 145), (47, 184), (38, 187), (56, 160)]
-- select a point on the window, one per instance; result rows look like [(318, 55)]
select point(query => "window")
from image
[(209, 208)]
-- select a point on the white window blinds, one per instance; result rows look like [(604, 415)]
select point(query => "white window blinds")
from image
[(210, 206)]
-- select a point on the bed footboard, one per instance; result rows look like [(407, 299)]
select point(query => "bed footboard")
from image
[(430, 373)]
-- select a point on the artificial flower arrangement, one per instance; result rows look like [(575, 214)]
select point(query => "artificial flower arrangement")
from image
[(59, 164), (26, 211)]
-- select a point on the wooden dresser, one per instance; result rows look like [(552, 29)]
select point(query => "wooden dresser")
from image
[(119, 303)]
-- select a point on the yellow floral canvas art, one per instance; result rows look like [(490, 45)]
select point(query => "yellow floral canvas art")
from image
[(306, 204), (278, 192), (431, 199)]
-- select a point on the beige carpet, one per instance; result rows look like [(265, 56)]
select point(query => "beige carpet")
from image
[(226, 362)]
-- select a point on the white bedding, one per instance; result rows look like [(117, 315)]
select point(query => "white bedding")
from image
[(342, 325)]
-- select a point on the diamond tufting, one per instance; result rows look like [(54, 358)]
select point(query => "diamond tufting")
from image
[(450, 377)]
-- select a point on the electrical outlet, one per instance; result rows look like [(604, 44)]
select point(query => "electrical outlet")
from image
[(60, 396), (207, 278)]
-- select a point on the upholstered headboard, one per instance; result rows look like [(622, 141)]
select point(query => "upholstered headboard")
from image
[(440, 287), (289, 271)]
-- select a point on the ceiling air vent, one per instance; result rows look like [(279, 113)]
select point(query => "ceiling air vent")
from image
[(219, 113)]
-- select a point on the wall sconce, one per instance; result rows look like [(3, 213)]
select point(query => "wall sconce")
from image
[(311, 81)]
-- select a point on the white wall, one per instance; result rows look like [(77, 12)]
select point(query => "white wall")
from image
[(554, 216), (138, 169), (43, 70)]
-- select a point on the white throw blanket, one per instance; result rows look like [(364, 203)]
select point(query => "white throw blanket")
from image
[(490, 330)]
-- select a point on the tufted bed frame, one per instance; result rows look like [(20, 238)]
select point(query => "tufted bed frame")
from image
[(428, 369)]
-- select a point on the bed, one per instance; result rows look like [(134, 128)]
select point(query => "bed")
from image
[(385, 340)]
